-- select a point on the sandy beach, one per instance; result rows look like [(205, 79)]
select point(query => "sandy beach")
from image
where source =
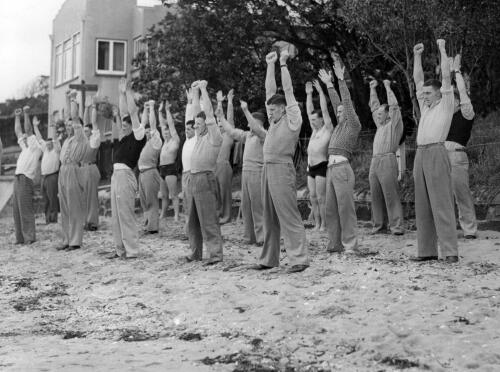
[(77, 311)]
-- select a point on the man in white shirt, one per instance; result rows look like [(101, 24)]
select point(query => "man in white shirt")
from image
[(27, 164), (187, 151), (50, 173)]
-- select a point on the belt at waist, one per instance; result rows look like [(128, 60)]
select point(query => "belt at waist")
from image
[(202, 172), (120, 166), (71, 163), (458, 150), (430, 145), (338, 163), (50, 174), (146, 169), (382, 155)]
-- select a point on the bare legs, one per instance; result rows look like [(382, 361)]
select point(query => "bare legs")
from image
[(317, 196), (170, 192)]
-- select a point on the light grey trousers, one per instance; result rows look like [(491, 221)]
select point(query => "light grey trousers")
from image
[(123, 220), (91, 178), (203, 221), (72, 204), (224, 176), (461, 190), (387, 211), (341, 217), (24, 211), (281, 214), (251, 206), (435, 215), (149, 186)]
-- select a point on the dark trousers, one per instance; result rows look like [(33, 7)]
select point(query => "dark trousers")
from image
[(50, 198)]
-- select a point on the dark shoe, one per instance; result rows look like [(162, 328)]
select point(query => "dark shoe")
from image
[(152, 232), (423, 259), (212, 261), (62, 247), (73, 247), (191, 258), (335, 250), (380, 231), (92, 227), (398, 233), (112, 256), (130, 257), (260, 267), (297, 268), (28, 242), (470, 237), (451, 259)]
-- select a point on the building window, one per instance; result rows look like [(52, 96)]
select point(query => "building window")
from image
[(111, 57), (67, 59), (140, 46)]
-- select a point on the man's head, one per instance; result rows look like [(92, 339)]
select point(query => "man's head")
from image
[(261, 119), (69, 128), (50, 144), (199, 123), (126, 125), (147, 133), (317, 119), (382, 113), (189, 129), (87, 130), (340, 114), (77, 124), (276, 106), (431, 91)]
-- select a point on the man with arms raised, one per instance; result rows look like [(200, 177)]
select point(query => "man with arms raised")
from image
[(340, 211), (384, 166), (128, 141), (203, 221), (50, 173), (253, 159), (434, 210), (149, 177), (279, 194), (223, 169), (27, 164), (317, 152), (168, 160), (459, 135)]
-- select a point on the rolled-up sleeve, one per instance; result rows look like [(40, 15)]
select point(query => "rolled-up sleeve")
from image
[(156, 141), (294, 116), (139, 132), (95, 139)]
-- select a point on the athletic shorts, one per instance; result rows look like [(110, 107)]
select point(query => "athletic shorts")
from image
[(168, 170), (318, 170)]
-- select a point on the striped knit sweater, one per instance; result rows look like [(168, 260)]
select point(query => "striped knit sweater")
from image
[(345, 134)]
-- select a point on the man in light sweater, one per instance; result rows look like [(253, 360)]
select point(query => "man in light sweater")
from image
[(279, 193), (384, 166), (203, 222), (340, 211)]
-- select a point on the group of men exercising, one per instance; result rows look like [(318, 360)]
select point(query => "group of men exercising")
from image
[(268, 184)]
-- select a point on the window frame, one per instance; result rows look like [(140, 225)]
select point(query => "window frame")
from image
[(110, 71), (64, 68)]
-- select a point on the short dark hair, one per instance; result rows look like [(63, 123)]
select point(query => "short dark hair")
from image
[(49, 139), (277, 99), (261, 117), (88, 126), (318, 112), (127, 119), (436, 84), (190, 122), (202, 115)]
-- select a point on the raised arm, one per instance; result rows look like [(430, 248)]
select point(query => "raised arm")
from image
[(374, 102), (117, 123), (418, 71), (270, 83), (445, 65), (394, 110), (74, 107), (146, 113), (349, 112), (28, 129), (67, 107), (327, 78), (133, 112), (207, 103), (465, 103), (17, 123), (95, 137), (87, 114), (220, 98), (196, 106), (122, 98), (170, 123), (324, 106), (309, 99), (252, 122), (286, 79), (189, 107), (230, 107), (36, 130)]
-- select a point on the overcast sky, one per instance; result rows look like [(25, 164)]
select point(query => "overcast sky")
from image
[(25, 26)]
